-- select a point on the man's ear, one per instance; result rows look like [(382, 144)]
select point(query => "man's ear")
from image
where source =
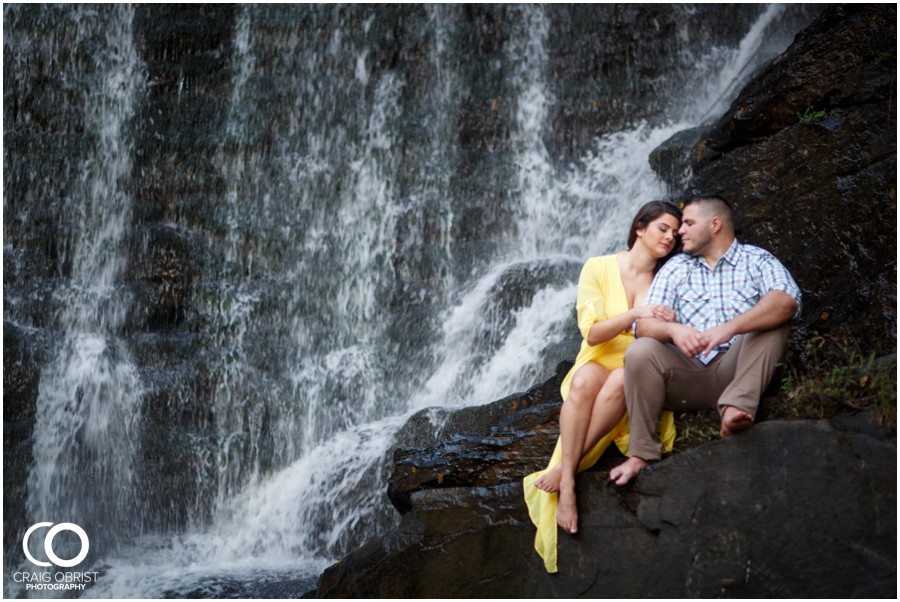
[(715, 224)]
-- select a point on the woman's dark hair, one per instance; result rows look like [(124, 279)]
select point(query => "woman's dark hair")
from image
[(647, 214)]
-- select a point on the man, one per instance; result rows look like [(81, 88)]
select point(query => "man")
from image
[(733, 303)]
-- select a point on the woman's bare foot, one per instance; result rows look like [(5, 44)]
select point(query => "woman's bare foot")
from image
[(549, 481), (567, 511), (627, 470), (734, 420)]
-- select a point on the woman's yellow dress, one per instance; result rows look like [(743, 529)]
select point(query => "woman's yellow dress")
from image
[(601, 294)]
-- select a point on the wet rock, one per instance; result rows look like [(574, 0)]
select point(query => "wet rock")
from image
[(671, 160), (480, 446), (748, 516), (162, 276), (845, 59), (600, 93)]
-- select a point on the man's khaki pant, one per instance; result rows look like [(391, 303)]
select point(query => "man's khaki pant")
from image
[(658, 376)]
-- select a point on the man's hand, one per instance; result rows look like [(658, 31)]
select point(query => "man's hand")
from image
[(690, 341), (773, 310), (717, 335)]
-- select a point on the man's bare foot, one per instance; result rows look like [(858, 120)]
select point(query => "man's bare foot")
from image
[(734, 420), (567, 511), (627, 470), (549, 481)]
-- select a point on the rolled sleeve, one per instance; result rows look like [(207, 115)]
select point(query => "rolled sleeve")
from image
[(776, 277), (590, 304)]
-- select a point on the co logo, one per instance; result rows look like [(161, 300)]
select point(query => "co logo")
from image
[(48, 544)]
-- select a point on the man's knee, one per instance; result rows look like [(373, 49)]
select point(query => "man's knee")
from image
[(773, 337), (640, 353), (768, 343)]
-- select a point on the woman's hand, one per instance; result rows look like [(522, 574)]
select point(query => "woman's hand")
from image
[(660, 312)]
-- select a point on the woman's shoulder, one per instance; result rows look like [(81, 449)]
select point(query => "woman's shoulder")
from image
[(602, 260), (600, 264), (599, 270)]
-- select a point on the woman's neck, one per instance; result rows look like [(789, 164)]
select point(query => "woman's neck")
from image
[(638, 261)]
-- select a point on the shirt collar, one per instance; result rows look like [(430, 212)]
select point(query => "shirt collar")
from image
[(731, 256), (733, 253)]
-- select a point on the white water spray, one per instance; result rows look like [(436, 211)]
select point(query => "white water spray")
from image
[(85, 436)]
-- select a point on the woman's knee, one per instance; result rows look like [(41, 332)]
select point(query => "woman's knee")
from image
[(585, 385), (616, 380), (613, 391)]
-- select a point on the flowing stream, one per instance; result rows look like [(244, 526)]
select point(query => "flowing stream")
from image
[(338, 256)]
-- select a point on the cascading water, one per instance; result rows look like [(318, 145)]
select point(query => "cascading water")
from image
[(89, 398), (340, 250)]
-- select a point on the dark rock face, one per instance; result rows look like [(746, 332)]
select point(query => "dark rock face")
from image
[(494, 443), (807, 153), (788, 509), (775, 516)]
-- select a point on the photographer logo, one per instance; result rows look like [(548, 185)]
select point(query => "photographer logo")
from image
[(58, 580), (48, 544)]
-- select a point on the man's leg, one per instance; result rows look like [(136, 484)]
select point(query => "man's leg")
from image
[(658, 376), (744, 373), (646, 365)]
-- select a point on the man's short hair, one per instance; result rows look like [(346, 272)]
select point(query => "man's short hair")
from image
[(713, 205)]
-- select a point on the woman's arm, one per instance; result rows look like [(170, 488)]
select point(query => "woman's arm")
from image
[(606, 330)]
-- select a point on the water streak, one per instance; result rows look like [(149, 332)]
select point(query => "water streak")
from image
[(86, 437)]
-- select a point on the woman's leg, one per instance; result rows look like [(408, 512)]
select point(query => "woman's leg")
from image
[(607, 411), (609, 407), (574, 418)]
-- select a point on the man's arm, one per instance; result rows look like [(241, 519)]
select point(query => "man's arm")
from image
[(773, 310), (690, 341)]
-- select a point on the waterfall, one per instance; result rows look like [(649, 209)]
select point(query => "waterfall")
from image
[(85, 436), (365, 256), (755, 48)]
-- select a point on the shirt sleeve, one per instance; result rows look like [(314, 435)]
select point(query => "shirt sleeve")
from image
[(775, 277), (663, 289), (590, 303)]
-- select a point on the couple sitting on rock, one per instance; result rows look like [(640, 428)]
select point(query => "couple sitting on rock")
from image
[(699, 329)]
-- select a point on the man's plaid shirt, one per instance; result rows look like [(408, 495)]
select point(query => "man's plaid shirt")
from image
[(703, 297)]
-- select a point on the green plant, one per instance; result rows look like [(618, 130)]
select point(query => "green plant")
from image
[(810, 114), (694, 428), (835, 376)]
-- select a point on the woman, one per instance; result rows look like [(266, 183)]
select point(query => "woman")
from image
[(611, 290)]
